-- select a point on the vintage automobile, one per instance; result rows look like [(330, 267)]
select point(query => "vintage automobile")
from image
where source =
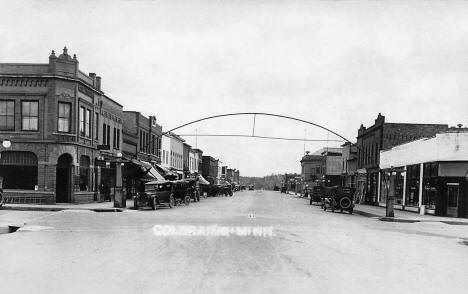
[(251, 187), (337, 197), (284, 189), (276, 188), (316, 195), (170, 193), (155, 193)]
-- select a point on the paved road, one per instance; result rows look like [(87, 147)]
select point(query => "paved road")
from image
[(311, 251)]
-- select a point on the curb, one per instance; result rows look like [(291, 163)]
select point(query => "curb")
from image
[(38, 208)]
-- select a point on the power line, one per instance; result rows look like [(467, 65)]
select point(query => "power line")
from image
[(260, 137)]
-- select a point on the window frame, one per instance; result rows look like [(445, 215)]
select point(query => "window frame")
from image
[(69, 116), (23, 117), (14, 116)]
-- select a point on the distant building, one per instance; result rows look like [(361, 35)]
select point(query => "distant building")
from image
[(198, 160), (322, 168), (429, 173), (380, 136), (186, 158), (65, 132), (349, 165), (209, 169)]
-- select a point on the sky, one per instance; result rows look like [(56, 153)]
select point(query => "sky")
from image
[(334, 63)]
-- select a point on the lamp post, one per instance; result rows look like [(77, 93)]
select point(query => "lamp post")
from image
[(119, 200)]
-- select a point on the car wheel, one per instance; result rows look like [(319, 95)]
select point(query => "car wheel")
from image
[(187, 200)]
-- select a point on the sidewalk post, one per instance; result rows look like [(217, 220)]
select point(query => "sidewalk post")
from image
[(389, 212), (119, 201)]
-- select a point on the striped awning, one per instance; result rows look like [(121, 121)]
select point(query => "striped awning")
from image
[(22, 158)]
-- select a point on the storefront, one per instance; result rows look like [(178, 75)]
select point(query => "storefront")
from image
[(432, 175)]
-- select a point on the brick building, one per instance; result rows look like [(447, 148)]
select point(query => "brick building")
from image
[(210, 169), (380, 136), (141, 137), (55, 117), (141, 147)]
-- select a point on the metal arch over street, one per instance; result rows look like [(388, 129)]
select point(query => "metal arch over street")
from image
[(256, 113)]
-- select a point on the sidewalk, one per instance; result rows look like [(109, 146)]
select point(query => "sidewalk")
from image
[(405, 216), (95, 206)]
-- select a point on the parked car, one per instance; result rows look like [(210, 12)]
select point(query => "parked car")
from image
[(337, 197), (251, 187), (284, 189), (276, 188), (316, 195)]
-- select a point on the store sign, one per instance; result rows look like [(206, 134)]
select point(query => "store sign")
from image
[(103, 147), (100, 163)]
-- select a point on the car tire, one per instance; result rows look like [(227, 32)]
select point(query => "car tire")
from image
[(187, 200), (345, 203)]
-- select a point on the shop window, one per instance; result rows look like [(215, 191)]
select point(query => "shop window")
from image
[(430, 184), (18, 170), (84, 173), (30, 115), (64, 117), (7, 115), (412, 185)]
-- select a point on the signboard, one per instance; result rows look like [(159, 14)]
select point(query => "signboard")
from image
[(103, 147), (100, 163)]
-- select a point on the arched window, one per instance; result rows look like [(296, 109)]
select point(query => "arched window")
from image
[(84, 173), (18, 170)]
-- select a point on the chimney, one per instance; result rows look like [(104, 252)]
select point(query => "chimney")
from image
[(98, 83), (93, 76)]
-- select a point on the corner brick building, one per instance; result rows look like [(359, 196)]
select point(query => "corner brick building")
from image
[(380, 136), (55, 117)]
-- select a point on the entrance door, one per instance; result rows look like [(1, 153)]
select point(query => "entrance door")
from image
[(453, 191), (63, 179)]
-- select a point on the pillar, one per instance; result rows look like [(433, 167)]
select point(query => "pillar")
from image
[(119, 199), (404, 187), (421, 173), (378, 186)]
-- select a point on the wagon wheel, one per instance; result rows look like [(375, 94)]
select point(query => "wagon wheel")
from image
[(187, 200), (171, 201)]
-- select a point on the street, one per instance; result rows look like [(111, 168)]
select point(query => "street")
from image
[(310, 251)]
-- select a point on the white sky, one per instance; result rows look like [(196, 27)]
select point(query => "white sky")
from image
[(334, 63)]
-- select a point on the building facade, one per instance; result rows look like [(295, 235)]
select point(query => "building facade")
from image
[(429, 174), (380, 136), (56, 117), (349, 165), (141, 137), (209, 169)]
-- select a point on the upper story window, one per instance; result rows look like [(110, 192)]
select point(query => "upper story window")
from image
[(64, 117), (88, 123), (96, 125), (7, 115), (82, 121), (30, 115)]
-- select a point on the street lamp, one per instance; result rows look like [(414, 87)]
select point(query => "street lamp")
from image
[(6, 143)]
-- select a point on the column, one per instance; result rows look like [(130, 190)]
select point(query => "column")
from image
[(404, 187), (119, 199), (421, 173), (378, 187)]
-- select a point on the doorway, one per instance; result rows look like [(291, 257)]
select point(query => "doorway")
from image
[(63, 179), (453, 192)]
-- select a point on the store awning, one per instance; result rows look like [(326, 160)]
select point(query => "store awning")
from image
[(202, 180), (166, 173), (152, 172)]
